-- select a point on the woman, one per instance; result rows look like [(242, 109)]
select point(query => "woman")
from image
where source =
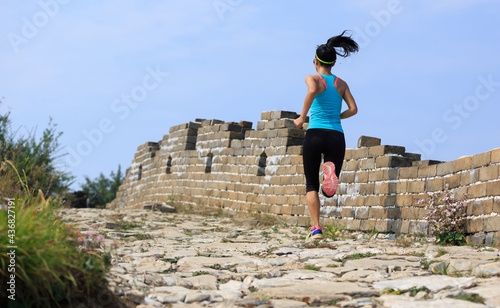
[(324, 135)]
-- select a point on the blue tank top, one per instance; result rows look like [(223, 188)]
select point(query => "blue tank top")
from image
[(326, 107)]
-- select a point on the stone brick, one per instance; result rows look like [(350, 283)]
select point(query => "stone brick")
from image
[(474, 225), (469, 177), (480, 160), (281, 114), (275, 209), (489, 173), (392, 161), (400, 226), (445, 168), (352, 165), (265, 116), (382, 150), (382, 226), (493, 188), (298, 210), (347, 177), (425, 163), (366, 189), (348, 212), (418, 227), (348, 154), (359, 153), (463, 163), (404, 200), (294, 150), (367, 225), (376, 175), (401, 187), (409, 213), (392, 213), (434, 185), (387, 200), (353, 224), (361, 213), (491, 224), (422, 213), (427, 171), (416, 186), (452, 181), (376, 213), (361, 177), (366, 141), (385, 188), (286, 210), (408, 173), (368, 163), (495, 156), (477, 190)]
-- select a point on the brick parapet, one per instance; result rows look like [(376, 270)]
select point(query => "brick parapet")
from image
[(261, 171)]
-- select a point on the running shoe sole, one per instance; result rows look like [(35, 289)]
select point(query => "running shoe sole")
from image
[(330, 181), (318, 236), (314, 236)]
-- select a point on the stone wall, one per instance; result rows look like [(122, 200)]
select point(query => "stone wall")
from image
[(233, 167)]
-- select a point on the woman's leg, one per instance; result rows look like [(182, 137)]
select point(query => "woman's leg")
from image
[(313, 204), (335, 150), (313, 143)]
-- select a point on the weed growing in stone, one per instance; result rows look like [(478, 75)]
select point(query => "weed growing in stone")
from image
[(312, 268), (130, 225), (446, 216), (171, 260), (426, 264), (404, 242), (411, 292), (216, 266), (142, 237), (418, 254), (441, 252), (333, 231), (200, 273), (358, 256), (472, 297)]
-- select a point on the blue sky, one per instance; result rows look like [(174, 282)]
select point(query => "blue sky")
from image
[(116, 74)]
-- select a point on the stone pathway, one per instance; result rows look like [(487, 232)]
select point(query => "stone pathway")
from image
[(187, 260)]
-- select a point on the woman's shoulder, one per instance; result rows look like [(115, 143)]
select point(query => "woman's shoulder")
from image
[(313, 76), (341, 82)]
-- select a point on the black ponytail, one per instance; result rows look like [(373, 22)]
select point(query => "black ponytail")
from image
[(338, 45)]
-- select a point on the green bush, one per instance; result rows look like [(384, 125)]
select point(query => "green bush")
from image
[(50, 268), (102, 190), (36, 160)]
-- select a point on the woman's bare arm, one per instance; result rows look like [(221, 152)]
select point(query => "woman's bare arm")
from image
[(312, 89)]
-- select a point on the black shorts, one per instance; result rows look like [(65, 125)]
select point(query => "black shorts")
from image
[(331, 144)]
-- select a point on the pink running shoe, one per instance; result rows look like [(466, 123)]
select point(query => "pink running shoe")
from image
[(330, 180)]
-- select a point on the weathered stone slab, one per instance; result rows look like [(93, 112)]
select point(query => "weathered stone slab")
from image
[(203, 282), (398, 301), (315, 290), (434, 283)]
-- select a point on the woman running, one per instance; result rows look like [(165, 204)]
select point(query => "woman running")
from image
[(324, 135)]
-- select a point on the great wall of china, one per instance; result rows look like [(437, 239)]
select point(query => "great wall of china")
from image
[(238, 169)]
